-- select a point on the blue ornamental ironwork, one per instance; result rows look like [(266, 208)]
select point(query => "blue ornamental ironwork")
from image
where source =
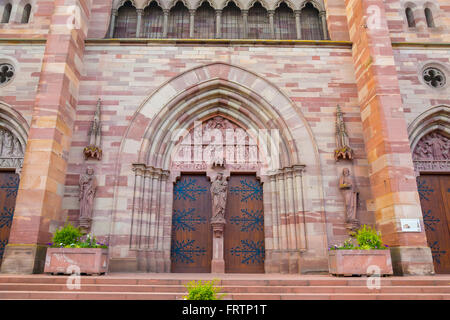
[(11, 186), (187, 189), (185, 251), (3, 244), (249, 190), (437, 252), (250, 251), (251, 221), (185, 220), (423, 189), (429, 221), (6, 217)]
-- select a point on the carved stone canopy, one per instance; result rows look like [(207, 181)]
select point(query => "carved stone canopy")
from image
[(343, 150), (432, 153)]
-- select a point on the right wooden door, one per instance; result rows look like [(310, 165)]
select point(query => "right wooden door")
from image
[(244, 231), (434, 192)]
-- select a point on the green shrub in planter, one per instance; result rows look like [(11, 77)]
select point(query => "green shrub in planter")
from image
[(71, 237), (197, 290), (367, 238)]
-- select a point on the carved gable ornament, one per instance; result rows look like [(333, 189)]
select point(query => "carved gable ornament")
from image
[(432, 153)]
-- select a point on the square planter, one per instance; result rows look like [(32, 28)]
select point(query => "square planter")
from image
[(357, 262), (89, 260)]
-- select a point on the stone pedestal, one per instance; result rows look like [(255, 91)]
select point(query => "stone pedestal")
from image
[(218, 262)]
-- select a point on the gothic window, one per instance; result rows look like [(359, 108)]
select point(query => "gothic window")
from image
[(26, 14), (232, 22), (205, 22), (429, 18), (153, 21), (258, 22), (284, 23), (178, 24), (126, 21), (7, 13), (410, 18), (6, 73), (310, 23), (434, 77)]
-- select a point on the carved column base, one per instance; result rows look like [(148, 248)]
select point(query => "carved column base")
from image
[(352, 225), (218, 262), (85, 224)]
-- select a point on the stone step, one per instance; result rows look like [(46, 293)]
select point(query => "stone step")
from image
[(51, 295), (226, 289), (112, 280)]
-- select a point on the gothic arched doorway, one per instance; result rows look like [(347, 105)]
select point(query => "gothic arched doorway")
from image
[(432, 161)]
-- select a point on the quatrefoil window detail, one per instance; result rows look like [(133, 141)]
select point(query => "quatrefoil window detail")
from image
[(6, 73), (433, 77)]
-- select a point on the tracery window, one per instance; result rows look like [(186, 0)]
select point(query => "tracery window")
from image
[(284, 22), (258, 22), (178, 25), (310, 23), (205, 22), (126, 22), (232, 22), (6, 73), (153, 21)]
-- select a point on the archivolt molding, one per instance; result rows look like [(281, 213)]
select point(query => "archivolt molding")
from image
[(220, 4)]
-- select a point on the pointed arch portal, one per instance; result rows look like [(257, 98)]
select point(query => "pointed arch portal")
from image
[(231, 102)]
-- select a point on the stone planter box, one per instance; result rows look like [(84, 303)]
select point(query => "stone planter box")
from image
[(89, 260), (357, 262)]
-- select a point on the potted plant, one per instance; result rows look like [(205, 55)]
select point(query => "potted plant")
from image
[(368, 256), (71, 251)]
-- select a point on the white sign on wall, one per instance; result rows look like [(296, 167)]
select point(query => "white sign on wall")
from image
[(410, 225)]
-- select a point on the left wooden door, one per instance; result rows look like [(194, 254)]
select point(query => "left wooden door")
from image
[(191, 245), (9, 185)]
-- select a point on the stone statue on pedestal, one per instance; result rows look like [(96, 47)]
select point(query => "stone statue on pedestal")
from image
[(88, 186), (348, 188), (219, 198)]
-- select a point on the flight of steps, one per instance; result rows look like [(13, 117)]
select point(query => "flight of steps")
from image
[(237, 287)]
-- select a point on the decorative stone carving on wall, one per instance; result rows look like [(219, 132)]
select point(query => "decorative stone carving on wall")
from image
[(88, 186), (432, 153), (11, 150), (343, 150), (93, 150), (348, 188)]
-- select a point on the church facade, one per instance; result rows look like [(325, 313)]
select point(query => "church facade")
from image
[(225, 136)]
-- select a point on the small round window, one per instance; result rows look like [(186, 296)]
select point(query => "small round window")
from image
[(6, 73), (433, 77)]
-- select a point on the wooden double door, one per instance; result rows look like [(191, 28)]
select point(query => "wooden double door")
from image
[(434, 192), (191, 245), (9, 184)]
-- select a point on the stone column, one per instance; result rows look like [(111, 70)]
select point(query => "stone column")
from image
[(271, 23), (112, 25), (165, 22), (298, 26), (39, 200), (218, 24), (140, 12), (245, 21), (391, 169), (191, 22), (323, 21)]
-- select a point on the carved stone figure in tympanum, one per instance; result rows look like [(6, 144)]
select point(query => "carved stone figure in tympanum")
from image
[(434, 146), (88, 186), (219, 189), (348, 188)]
